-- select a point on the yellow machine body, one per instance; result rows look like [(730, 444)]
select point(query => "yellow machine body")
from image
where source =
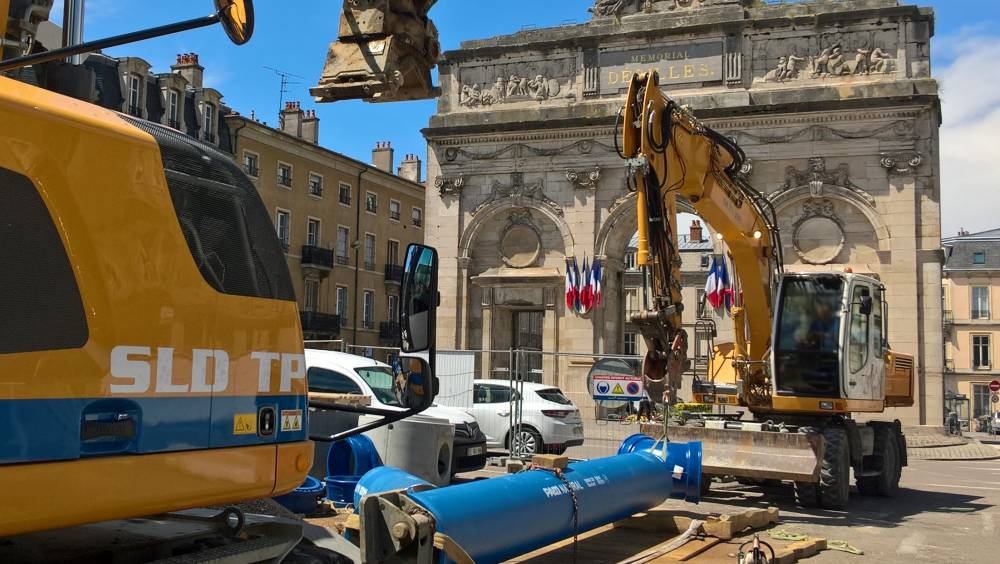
[(152, 390)]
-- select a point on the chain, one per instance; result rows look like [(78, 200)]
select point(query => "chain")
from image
[(576, 504)]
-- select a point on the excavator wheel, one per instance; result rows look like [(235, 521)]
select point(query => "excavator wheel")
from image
[(887, 460), (806, 494), (835, 473)]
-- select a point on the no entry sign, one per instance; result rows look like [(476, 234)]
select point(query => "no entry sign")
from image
[(995, 386)]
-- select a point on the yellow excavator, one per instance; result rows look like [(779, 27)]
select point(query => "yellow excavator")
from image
[(810, 350)]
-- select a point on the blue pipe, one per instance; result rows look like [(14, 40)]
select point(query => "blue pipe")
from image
[(500, 518)]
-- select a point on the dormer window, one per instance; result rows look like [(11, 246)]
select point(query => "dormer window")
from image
[(173, 109), (134, 95), (209, 128), (979, 257)]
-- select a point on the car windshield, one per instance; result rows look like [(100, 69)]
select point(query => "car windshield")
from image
[(554, 395), (380, 379)]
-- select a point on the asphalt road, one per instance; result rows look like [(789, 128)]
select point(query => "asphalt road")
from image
[(946, 511)]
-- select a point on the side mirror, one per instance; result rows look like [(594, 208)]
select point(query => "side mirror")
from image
[(237, 19), (415, 380), (865, 305)]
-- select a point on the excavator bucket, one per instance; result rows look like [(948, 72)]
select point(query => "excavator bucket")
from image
[(385, 53), (762, 455)]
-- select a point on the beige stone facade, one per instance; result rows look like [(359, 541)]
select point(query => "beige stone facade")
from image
[(838, 113), (345, 225), (972, 322)]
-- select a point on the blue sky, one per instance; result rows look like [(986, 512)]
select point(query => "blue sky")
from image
[(293, 36)]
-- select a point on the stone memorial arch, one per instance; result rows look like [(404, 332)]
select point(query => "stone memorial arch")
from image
[(839, 118)]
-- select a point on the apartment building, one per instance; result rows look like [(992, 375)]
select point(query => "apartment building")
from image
[(971, 302), (344, 224)]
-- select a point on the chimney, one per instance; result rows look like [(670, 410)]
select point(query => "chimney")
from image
[(962, 232), (291, 118), (188, 67), (410, 168), (696, 232), (310, 127), (382, 156)]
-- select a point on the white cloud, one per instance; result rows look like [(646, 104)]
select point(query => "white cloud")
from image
[(970, 133)]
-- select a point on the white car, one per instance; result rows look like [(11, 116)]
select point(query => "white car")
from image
[(337, 372), (550, 422)]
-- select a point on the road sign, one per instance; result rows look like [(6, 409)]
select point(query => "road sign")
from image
[(615, 379), (995, 386)]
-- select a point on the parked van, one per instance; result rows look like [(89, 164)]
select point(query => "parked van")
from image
[(343, 373)]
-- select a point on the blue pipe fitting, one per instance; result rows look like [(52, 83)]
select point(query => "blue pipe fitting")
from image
[(353, 456), (504, 517)]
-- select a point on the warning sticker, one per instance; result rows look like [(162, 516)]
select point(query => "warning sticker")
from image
[(291, 420), (245, 424)]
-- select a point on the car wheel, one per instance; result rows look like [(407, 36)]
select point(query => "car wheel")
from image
[(526, 443)]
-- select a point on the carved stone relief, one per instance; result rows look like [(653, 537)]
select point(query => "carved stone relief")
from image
[(521, 150), (827, 55), (517, 82), (520, 194), (521, 241), (584, 179), (449, 186), (899, 129), (901, 163), (618, 8), (816, 176), (818, 236)]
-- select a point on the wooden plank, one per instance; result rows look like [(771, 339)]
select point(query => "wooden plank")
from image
[(353, 522), (693, 548), (550, 461), (799, 550), (729, 525)]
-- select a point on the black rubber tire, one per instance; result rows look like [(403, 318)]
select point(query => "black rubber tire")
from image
[(806, 494), (886, 459), (835, 473)]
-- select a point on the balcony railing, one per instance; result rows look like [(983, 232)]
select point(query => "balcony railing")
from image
[(367, 324), (315, 322), (285, 180), (389, 331), (345, 198), (135, 111), (317, 256), (369, 265), (174, 123), (417, 222), (208, 137), (316, 188), (252, 170), (394, 215), (343, 259), (393, 273)]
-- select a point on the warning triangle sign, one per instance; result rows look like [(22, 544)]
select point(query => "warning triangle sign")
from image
[(618, 389), (287, 424)]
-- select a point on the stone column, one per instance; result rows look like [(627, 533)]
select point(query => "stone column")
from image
[(900, 278), (463, 304), (550, 338)]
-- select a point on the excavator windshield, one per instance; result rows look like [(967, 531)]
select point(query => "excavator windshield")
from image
[(806, 360)]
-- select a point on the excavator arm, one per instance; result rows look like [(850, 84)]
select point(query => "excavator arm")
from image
[(671, 154)]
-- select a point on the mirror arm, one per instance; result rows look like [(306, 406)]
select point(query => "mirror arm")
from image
[(332, 406), (388, 419), (91, 46)]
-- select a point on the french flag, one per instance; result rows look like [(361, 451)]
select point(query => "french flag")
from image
[(586, 288), (570, 286), (717, 285), (595, 273)]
